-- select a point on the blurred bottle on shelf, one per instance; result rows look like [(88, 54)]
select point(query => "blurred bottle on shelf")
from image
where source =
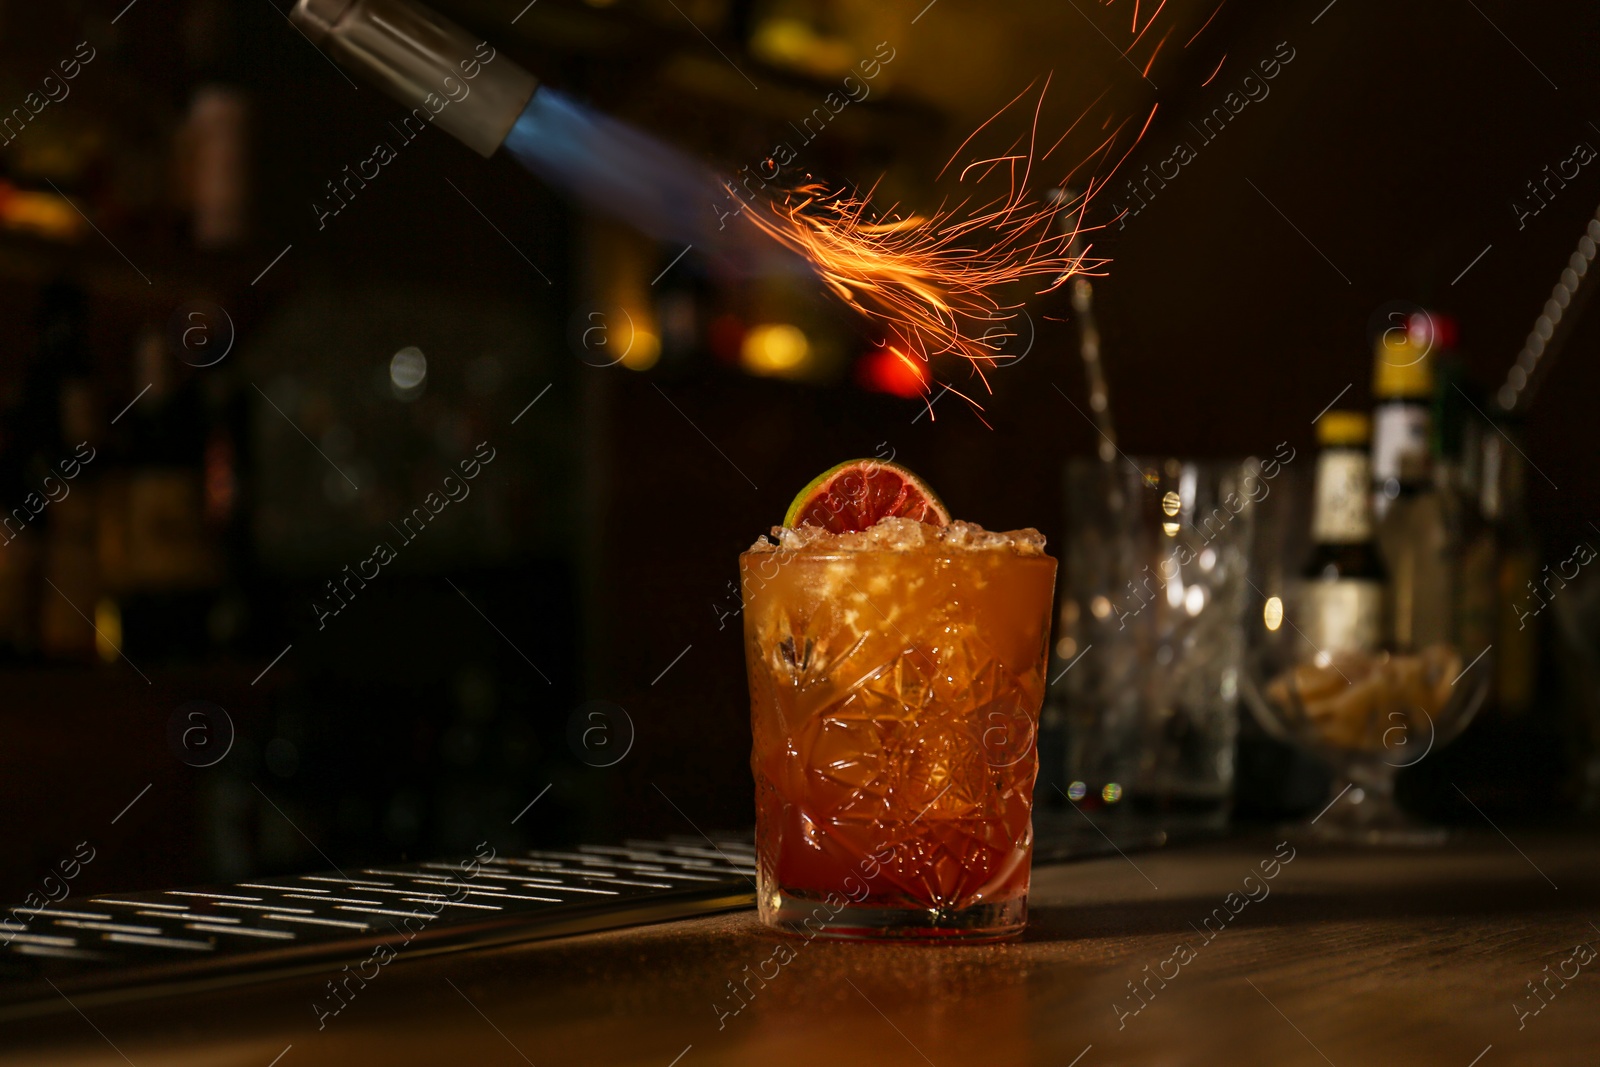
[(155, 546), (1413, 529), (228, 620), (1341, 597), (215, 160), (1519, 601), (72, 585), (1469, 496), (49, 575), (1514, 760)]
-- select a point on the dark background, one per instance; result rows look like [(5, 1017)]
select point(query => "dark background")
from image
[(598, 553)]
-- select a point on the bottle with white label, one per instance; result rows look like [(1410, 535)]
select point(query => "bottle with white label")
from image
[(1402, 415), (1341, 598), (1413, 531)]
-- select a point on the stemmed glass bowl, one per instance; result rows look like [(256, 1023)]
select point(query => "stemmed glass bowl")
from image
[(1368, 715)]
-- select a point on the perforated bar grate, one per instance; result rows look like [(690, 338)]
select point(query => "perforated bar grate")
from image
[(123, 946)]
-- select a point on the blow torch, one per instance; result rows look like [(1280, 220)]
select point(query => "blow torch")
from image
[(451, 79)]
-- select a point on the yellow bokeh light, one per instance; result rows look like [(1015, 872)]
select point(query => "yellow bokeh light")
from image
[(108, 630), (643, 352), (794, 43), (1170, 503), (775, 348), (1272, 614)]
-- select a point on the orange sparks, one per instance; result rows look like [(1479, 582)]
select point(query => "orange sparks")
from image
[(1075, 122), (932, 282), (1157, 52), (952, 282), (1202, 28), (1147, 26)]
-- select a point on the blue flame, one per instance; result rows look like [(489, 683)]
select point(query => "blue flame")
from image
[(619, 170)]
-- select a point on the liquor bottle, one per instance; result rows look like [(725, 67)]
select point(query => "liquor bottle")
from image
[(215, 137), (227, 521), (1520, 599), (26, 441), (72, 590), (1402, 389), (1413, 529), (1342, 584), (1459, 475), (214, 165), (1510, 759), (155, 544)]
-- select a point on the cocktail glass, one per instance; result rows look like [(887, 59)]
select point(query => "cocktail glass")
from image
[(895, 702), (1150, 635)]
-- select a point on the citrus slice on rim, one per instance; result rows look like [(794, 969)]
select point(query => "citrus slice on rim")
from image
[(857, 493)]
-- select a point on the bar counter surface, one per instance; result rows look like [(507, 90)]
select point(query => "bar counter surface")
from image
[(1474, 955)]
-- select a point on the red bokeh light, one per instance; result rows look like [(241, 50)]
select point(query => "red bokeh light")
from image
[(888, 370)]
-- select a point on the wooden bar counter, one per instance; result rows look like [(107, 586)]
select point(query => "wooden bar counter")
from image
[(1187, 956)]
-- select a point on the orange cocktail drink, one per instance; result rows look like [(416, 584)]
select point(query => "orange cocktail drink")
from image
[(896, 676)]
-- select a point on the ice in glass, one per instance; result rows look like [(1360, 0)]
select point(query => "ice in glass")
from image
[(896, 676)]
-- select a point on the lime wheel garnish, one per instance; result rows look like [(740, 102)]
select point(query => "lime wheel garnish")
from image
[(858, 493)]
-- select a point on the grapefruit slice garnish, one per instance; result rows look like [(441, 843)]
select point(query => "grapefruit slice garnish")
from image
[(856, 494)]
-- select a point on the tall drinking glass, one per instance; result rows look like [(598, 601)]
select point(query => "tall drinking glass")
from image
[(1150, 637), (895, 698)]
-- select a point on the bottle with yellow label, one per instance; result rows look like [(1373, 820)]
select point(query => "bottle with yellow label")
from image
[(1414, 533), (1340, 602)]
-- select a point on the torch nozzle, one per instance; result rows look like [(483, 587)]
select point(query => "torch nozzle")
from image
[(426, 62)]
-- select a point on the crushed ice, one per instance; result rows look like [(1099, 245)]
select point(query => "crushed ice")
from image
[(902, 535)]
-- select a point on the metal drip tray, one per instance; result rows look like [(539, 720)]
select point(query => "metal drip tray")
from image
[(124, 946)]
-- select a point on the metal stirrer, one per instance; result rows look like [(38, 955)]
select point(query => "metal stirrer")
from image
[(1554, 325), (1088, 331)]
